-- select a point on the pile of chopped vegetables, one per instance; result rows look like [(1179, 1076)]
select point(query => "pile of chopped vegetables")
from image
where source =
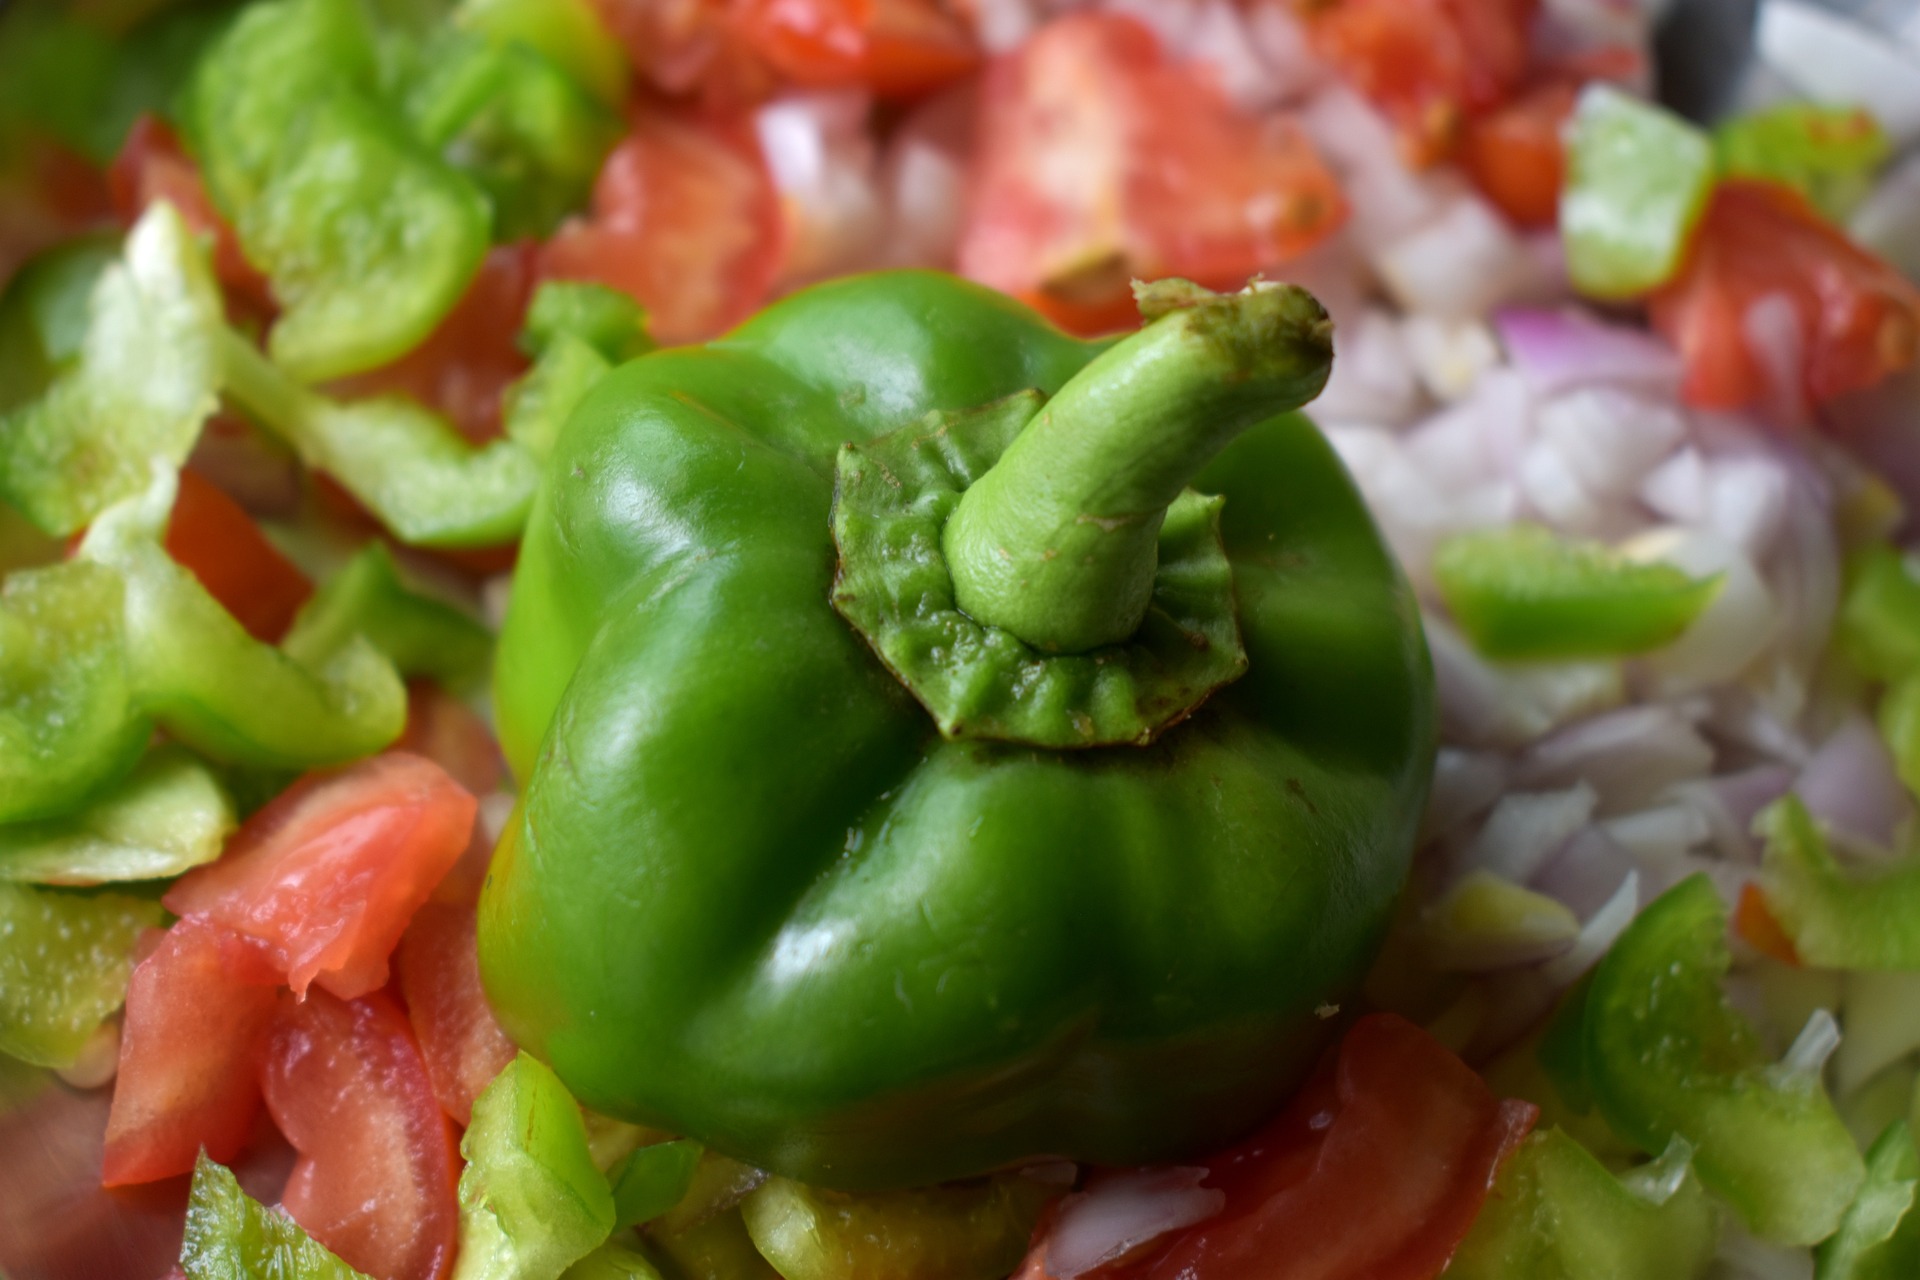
[(1582, 940)]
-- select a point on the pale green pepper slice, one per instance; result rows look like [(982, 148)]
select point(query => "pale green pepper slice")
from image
[(608, 320), (1828, 154), (64, 966), (970, 1232), (652, 1180), (1523, 592), (1666, 1054), (144, 379), (1638, 178), (1878, 628), (44, 311), (165, 818), (539, 404), (567, 32), (531, 1201), (716, 1248), (613, 1262), (420, 635), (232, 1236), (1879, 1239), (1837, 918)]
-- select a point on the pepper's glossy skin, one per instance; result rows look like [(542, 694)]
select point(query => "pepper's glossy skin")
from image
[(753, 897)]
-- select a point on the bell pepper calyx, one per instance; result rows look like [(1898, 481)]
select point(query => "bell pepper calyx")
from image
[(1057, 543), (894, 584)]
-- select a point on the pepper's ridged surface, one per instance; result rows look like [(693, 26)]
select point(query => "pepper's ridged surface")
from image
[(753, 896)]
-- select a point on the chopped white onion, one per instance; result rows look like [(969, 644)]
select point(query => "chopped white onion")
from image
[(1661, 834), (1587, 871), (1562, 348), (1450, 355), (1486, 706), (1596, 935), (1118, 1213), (1628, 757), (1373, 378), (1852, 785), (1734, 628), (1525, 830), (1677, 488), (1465, 785), (1462, 263), (1611, 438)]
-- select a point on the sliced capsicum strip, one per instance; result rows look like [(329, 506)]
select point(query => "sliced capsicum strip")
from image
[(1638, 178), (1878, 628), (1828, 154), (973, 1232), (1666, 1054), (576, 333), (64, 968), (407, 466), (143, 381), (1837, 918), (420, 635), (569, 32), (1879, 1239), (166, 817), (216, 688), (232, 1236), (653, 1179)]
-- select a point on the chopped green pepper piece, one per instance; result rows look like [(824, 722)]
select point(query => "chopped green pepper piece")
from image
[(1879, 623), (1879, 1239), (971, 1232), (567, 32), (44, 311), (607, 319), (1638, 178), (1555, 1213), (419, 634), (531, 1201), (57, 75), (215, 687), (232, 1236), (652, 1180), (168, 816), (1828, 154), (1837, 918), (417, 474), (540, 403), (64, 966), (716, 1248), (366, 239), (143, 382), (1523, 592), (613, 1262), (1668, 1055), (67, 724), (1899, 719)]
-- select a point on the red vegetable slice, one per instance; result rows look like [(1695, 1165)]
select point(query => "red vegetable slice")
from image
[(1858, 319), (220, 545), (1101, 160), (438, 965), (327, 876), (198, 1009), (378, 1166), (1515, 155), (897, 48), (152, 166), (685, 219), (447, 731)]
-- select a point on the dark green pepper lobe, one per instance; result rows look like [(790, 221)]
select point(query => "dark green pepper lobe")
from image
[(755, 898)]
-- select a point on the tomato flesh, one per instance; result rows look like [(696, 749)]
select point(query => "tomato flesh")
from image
[(1102, 160), (326, 877), (217, 542), (378, 1165), (438, 966), (1515, 156), (685, 219), (897, 48), (198, 1009), (1858, 318)]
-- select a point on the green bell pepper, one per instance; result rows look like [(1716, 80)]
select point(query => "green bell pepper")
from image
[(64, 968), (1878, 627), (1828, 154), (139, 385), (653, 1179), (978, 1231), (232, 1236), (611, 322), (776, 886), (1665, 1054), (165, 818), (44, 311), (567, 32), (1879, 1239), (614, 1262), (1638, 178), (1837, 918), (1523, 592), (420, 635), (1899, 720), (1556, 1213), (717, 1248), (531, 1201)]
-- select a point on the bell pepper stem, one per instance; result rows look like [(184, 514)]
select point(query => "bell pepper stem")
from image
[(1058, 542)]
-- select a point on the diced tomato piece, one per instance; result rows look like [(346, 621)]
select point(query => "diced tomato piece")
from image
[(1859, 319), (448, 732), (1377, 1168), (378, 1166), (327, 875), (438, 965), (152, 166), (1101, 160), (463, 368), (689, 46), (1515, 155), (1428, 64), (897, 48), (1756, 924), (220, 545), (198, 1009), (685, 219)]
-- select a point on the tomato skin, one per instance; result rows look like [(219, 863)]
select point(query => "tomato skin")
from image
[(685, 219), (217, 542), (688, 47), (1376, 1169), (438, 968), (897, 48), (326, 877), (1101, 160), (198, 1011), (1859, 318), (378, 1166), (152, 166), (1515, 156)]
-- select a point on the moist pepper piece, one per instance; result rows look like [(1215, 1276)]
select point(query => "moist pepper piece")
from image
[(758, 899)]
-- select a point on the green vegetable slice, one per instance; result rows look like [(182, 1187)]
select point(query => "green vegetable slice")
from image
[(44, 311), (419, 634), (1837, 918), (1879, 1239), (531, 1201), (1638, 178), (613, 1262), (166, 817), (716, 1248), (539, 404), (608, 320), (1878, 628), (144, 380), (63, 967), (1666, 1054), (1523, 592), (232, 1236), (652, 1180), (1828, 154), (567, 32), (968, 1232)]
